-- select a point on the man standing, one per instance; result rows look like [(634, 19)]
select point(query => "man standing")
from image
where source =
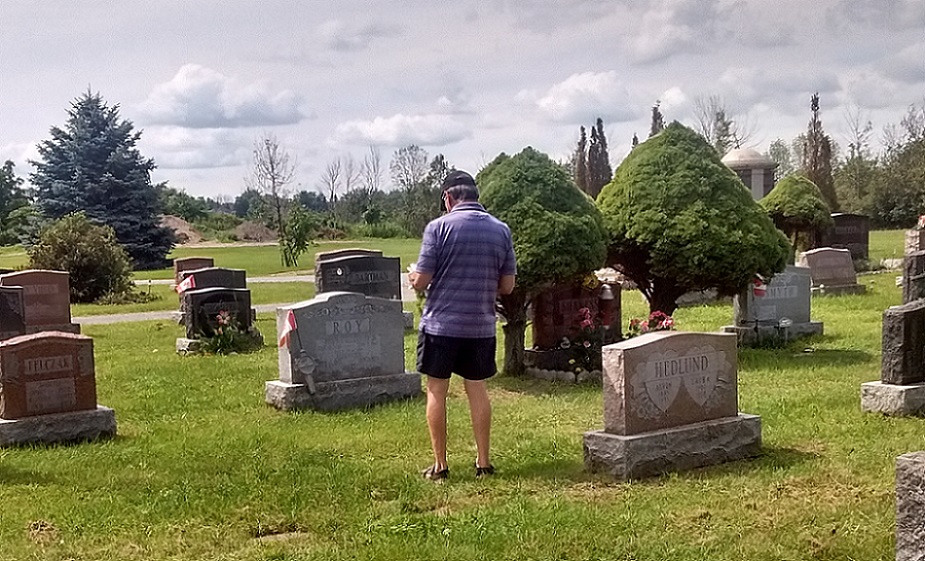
[(467, 259)]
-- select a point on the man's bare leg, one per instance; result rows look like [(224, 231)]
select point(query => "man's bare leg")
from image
[(480, 412), (436, 419)]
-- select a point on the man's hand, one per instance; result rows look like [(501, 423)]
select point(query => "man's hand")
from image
[(419, 281)]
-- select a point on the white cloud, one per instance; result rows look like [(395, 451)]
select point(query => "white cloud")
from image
[(199, 97), (20, 154), (184, 148), (581, 98), (882, 15), (338, 36), (789, 89), (401, 130), (908, 65)]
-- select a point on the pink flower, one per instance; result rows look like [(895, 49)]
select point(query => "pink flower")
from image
[(585, 324), (587, 344)]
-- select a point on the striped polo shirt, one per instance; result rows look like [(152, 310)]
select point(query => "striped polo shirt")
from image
[(467, 251)]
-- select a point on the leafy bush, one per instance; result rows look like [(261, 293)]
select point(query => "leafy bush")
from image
[(680, 221), (297, 233), (387, 229), (97, 264)]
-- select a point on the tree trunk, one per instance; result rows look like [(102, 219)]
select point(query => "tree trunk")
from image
[(663, 301), (514, 347), (514, 309)]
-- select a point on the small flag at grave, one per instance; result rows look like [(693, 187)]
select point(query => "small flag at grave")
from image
[(288, 328), (188, 283), (759, 288)]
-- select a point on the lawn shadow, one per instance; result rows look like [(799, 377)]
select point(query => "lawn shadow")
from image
[(12, 476), (535, 386), (802, 355), (770, 458)]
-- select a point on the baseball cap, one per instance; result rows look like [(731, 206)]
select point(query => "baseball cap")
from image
[(457, 178)]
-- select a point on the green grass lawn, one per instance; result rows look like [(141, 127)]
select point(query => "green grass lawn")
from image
[(202, 469)]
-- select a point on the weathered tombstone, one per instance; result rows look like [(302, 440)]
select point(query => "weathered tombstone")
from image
[(910, 507), (915, 241), (48, 390), (780, 310), (372, 275), (12, 312), (832, 271), (557, 314), (346, 350), (348, 252), (670, 404), (913, 276), (849, 231), (187, 263), (901, 388), (46, 299)]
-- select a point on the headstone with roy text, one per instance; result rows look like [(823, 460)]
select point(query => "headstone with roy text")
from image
[(342, 350)]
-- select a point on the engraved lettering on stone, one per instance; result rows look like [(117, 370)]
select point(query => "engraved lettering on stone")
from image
[(346, 326), (658, 381), (48, 365), (41, 289), (50, 395)]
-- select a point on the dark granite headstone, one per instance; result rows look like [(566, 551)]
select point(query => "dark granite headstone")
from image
[(557, 313), (910, 507), (367, 274), (913, 276), (903, 344), (49, 372), (203, 305), (12, 312), (210, 277), (851, 232)]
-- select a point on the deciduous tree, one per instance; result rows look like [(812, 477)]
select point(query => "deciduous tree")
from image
[(272, 172)]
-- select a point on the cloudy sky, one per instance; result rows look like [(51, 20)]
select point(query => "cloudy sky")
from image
[(468, 78)]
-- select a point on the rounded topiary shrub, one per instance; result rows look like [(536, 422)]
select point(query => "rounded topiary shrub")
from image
[(97, 264), (798, 209)]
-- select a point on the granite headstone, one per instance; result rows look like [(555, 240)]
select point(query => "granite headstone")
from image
[(851, 232), (670, 403), (372, 275), (901, 388), (181, 264), (12, 312), (347, 350), (46, 299), (203, 305), (832, 271), (910, 507), (913, 276)]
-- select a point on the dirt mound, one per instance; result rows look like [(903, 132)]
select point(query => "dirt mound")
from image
[(182, 229), (254, 232)]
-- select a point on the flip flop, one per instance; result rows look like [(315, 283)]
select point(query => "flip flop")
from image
[(432, 474), (487, 470)]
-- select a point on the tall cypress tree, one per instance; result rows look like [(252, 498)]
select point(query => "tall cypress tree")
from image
[(92, 165), (580, 162), (599, 171), (658, 120)]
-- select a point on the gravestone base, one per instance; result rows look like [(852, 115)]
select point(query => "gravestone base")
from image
[(73, 426), (343, 394), (408, 320), (893, 399), (751, 335), (839, 290), (676, 449), (188, 346), (65, 327), (563, 375), (910, 506)]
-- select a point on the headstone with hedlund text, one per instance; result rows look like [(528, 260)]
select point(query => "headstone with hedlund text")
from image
[(346, 350), (670, 404), (48, 390), (46, 299)]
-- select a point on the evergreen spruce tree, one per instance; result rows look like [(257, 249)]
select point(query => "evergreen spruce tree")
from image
[(599, 171), (658, 120), (92, 165)]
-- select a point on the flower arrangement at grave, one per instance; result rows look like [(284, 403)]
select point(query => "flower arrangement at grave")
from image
[(228, 337), (921, 223), (657, 321), (585, 347)]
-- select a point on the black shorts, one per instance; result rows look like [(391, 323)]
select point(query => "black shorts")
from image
[(439, 356)]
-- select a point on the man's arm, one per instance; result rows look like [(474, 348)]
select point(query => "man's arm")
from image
[(506, 285), (419, 281)]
